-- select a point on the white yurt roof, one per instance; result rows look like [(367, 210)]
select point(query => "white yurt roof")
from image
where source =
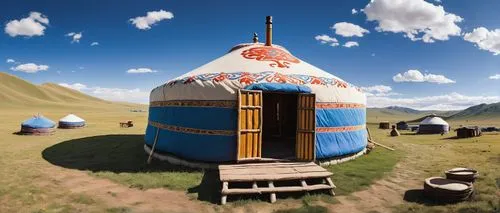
[(71, 118), (434, 120), (253, 63)]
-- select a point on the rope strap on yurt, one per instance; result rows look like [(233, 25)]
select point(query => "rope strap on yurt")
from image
[(154, 145)]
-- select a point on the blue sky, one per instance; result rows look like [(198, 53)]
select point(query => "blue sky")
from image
[(460, 63)]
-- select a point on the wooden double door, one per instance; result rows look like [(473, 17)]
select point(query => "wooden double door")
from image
[(250, 126)]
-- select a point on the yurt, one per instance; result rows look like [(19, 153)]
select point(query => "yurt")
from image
[(433, 125), (71, 121), (256, 102), (402, 125), (37, 125)]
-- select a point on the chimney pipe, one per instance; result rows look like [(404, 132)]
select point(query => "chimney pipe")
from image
[(269, 30)]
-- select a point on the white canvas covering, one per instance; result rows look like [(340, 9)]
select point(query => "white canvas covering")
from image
[(221, 78), (71, 119), (433, 120)]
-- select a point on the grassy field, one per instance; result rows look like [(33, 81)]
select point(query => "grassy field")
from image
[(105, 151)]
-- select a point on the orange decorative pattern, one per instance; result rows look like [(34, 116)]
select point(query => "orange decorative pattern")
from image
[(194, 103), (280, 58), (192, 130), (337, 105), (340, 129)]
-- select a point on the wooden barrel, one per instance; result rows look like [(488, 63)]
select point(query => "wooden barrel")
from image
[(462, 174), (446, 190)]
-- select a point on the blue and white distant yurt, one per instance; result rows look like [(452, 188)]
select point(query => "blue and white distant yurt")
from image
[(433, 125), (37, 125), (71, 121), (256, 102)]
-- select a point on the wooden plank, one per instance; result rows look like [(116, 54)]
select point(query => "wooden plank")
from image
[(251, 107), (231, 166), (250, 130), (250, 121), (261, 122), (238, 139), (244, 166), (273, 177), (262, 190)]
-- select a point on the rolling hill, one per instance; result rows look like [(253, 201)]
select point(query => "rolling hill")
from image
[(486, 111), (18, 93)]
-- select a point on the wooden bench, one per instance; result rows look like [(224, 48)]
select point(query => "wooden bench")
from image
[(271, 173)]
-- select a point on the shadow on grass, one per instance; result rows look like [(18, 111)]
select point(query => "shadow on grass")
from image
[(450, 138), (107, 153)]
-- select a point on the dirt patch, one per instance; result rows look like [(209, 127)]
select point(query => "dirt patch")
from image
[(118, 196)]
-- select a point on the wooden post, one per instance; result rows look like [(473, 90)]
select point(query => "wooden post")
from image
[(269, 30), (154, 145), (223, 199), (272, 195), (330, 182)]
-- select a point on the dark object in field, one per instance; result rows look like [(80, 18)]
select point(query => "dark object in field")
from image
[(468, 132), (394, 131), (490, 129), (384, 125), (127, 124), (462, 174), (402, 125), (446, 190)]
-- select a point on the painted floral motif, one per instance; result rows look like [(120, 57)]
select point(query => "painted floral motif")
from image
[(246, 78), (280, 58)]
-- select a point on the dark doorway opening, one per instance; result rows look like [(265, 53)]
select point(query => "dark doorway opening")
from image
[(279, 125)]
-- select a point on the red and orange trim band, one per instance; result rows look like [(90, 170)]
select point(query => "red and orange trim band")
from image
[(340, 129)]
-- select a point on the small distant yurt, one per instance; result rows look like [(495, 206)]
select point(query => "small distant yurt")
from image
[(384, 125), (37, 125), (433, 125), (71, 121), (402, 125), (256, 102)]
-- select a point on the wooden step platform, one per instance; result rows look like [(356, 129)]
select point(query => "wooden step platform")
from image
[(273, 173)]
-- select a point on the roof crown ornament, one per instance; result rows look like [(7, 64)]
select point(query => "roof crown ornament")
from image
[(255, 38)]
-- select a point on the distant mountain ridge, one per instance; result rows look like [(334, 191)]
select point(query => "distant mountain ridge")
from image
[(481, 111)]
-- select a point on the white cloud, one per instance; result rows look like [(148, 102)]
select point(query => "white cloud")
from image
[(141, 70), (152, 17), (354, 11), (349, 30), (325, 39), (418, 19), (452, 101), (95, 43), (373, 54), (495, 77), (417, 76), (81, 68), (485, 39), (75, 86), (30, 68), (33, 25), (10, 60), (75, 36), (113, 94), (350, 44), (378, 91)]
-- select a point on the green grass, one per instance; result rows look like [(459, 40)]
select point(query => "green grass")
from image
[(361, 172)]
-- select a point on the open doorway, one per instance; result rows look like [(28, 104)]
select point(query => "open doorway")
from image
[(279, 125)]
